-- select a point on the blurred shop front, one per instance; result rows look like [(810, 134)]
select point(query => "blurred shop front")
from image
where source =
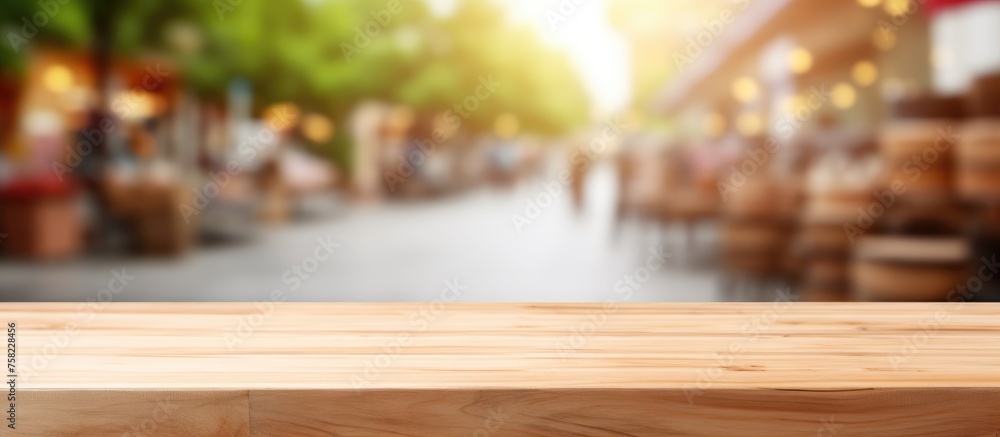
[(138, 166), (852, 145)]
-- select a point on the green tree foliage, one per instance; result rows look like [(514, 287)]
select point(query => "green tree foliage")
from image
[(328, 55), (538, 83)]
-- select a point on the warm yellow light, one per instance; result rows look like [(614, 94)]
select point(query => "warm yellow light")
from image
[(58, 79), (843, 95), (281, 116), (884, 39), (791, 103), (506, 126), (745, 89), (800, 60), (864, 73), (898, 8), (317, 128), (749, 124), (714, 125), (141, 105), (869, 3)]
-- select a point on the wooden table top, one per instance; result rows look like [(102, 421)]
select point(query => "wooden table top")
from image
[(807, 346), (417, 369)]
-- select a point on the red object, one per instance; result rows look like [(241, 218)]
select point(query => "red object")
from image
[(937, 6), (37, 188)]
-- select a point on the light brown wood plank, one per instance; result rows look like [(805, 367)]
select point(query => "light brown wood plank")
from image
[(555, 369)]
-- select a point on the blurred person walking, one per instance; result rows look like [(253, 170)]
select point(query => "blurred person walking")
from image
[(579, 166)]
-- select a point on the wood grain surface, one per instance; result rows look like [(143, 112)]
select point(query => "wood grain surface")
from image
[(416, 369)]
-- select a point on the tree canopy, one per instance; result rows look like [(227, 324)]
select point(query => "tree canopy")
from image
[(326, 56)]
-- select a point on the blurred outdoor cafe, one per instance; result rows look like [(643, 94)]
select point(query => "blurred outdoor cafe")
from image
[(846, 151)]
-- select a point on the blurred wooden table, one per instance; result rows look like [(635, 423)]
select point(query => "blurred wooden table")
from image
[(417, 369)]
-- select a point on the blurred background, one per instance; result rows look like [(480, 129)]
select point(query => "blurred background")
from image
[(490, 150)]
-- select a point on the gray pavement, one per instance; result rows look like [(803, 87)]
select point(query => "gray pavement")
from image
[(407, 251)]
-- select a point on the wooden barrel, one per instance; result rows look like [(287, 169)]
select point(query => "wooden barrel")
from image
[(908, 268), (917, 145), (941, 215), (978, 161), (919, 148), (916, 157), (977, 179)]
